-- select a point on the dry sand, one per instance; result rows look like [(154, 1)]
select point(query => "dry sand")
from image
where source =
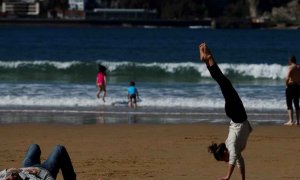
[(166, 152)]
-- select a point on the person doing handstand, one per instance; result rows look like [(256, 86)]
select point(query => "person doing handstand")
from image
[(239, 129)]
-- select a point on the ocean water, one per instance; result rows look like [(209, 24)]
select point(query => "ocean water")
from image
[(55, 67)]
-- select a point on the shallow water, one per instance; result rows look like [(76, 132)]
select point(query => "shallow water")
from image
[(124, 115)]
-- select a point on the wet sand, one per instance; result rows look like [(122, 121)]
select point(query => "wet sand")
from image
[(137, 151), (124, 115)]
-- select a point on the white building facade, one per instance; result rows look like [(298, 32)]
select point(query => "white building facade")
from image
[(76, 5), (20, 7)]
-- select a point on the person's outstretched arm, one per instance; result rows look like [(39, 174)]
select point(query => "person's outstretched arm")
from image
[(241, 165), (104, 80), (229, 172)]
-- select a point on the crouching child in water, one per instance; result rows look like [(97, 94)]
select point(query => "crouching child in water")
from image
[(133, 95)]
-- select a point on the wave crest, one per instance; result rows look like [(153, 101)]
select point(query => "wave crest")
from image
[(126, 68)]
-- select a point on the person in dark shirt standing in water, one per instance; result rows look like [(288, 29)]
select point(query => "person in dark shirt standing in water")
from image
[(292, 82)]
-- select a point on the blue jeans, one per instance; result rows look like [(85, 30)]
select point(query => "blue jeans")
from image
[(58, 159)]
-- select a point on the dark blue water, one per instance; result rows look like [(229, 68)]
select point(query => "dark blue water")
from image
[(146, 45)]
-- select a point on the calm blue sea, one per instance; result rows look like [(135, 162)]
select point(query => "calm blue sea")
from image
[(56, 66)]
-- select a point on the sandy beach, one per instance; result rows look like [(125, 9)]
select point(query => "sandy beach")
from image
[(122, 151)]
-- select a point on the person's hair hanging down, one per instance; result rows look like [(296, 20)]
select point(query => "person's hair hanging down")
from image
[(231, 150), (217, 150), (102, 69)]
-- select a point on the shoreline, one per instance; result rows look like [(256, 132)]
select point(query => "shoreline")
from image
[(125, 115), (108, 23), (149, 23)]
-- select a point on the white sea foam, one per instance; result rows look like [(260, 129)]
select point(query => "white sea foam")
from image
[(57, 64), (257, 104), (268, 71), (271, 71)]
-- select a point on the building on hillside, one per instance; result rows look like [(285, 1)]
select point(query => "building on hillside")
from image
[(20, 8), (76, 5), (121, 14), (76, 10)]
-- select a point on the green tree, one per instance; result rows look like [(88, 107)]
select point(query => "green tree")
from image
[(215, 8), (237, 9), (58, 4), (182, 9)]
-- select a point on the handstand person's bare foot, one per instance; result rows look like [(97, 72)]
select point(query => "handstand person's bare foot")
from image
[(202, 52), (205, 54)]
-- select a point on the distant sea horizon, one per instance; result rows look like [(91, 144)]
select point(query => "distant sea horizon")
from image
[(219, 23)]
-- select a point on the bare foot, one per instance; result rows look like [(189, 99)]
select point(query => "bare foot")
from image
[(289, 123), (201, 50), (205, 53)]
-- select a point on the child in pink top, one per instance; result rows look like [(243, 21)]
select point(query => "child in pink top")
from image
[(101, 81)]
